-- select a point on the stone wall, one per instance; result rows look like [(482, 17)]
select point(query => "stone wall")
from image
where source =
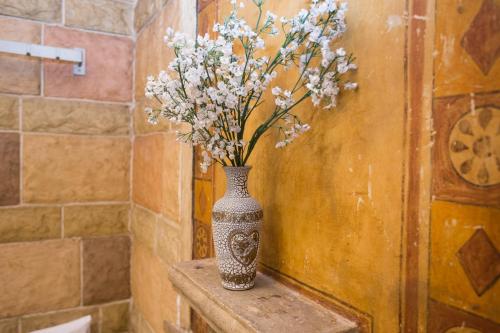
[(161, 179), (65, 155)]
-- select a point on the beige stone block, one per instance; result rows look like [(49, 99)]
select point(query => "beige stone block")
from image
[(152, 55), (156, 173), (75, 168), (23, 224), (95, 220), (61, 116), (144, 226), (39, 276), (44, 10), (144, 10), (9, 112), (153, 294), (20, 74), (168, 243), (115, 318), (9, 325), (100, 15), (40, 321)]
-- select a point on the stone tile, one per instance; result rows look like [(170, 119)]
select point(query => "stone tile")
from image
[(106, 269), (463, 263), (202, 240), (37, 322), (153, 294), (144, 226), (20, 75), (44, 10), (459, 159), (156, 173), (481, 261), (100, 15), (39, 276), (95, 220), (466, 47), (60, 116), (115, 318), (152, 55), (168, 243), (22, 224), (9, 168), (109, 66), (144, 10), (74, 168), (9, 112), (203, 200), (9, 325)]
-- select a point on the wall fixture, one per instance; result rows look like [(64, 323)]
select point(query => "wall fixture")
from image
[(75, 55)]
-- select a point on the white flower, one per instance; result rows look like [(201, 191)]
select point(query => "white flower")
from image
[(214, 89), (350, 85)]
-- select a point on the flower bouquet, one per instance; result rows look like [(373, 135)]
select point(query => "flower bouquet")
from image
[(216, 90)]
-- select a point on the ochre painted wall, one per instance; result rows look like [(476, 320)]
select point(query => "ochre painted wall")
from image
[(366, 209), (333, 199)]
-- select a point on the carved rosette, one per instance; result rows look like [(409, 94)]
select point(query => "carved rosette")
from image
[(236, 225)]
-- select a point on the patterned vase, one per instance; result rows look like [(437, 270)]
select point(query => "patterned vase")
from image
[(236, 223)]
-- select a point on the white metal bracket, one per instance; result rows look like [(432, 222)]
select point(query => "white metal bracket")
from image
[(75, 55)]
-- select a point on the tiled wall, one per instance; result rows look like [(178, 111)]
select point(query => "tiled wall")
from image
[(465, 213), (65, 155), (161, 180)]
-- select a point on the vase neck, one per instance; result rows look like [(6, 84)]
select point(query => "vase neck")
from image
[(237, 179)]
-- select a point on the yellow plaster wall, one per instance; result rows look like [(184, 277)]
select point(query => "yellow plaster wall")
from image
[(332, 200)]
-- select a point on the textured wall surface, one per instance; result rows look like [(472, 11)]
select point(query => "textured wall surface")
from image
[(464, 228), (388, 207), (65, 155), (161, 179)]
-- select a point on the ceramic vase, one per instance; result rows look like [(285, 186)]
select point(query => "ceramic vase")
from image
[(236, 225)]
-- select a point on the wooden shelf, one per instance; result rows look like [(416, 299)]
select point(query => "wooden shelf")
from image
[(269, 307)]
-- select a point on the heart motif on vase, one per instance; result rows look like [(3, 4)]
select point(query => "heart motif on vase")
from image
[(244, 246)]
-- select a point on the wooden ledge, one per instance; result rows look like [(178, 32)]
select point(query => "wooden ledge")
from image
[(269, 307)]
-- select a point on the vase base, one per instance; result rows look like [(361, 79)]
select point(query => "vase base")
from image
[(233, 287)]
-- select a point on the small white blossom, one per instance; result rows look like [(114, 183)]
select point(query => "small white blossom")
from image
[(211, 87)]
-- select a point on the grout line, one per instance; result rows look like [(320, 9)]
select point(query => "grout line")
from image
[(21, 151), (81, 135), (68, 204), (19, 325), (68, 99), (9, 131)]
